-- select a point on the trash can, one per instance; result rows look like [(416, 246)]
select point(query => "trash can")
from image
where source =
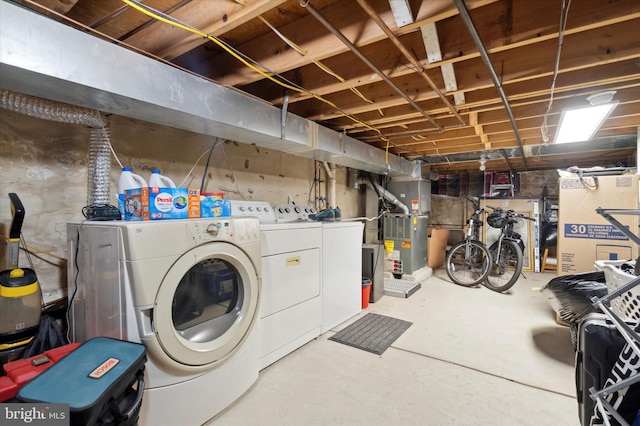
[(366, 292)]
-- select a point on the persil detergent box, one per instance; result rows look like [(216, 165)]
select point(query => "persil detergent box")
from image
[(155, 203), (211, 206)]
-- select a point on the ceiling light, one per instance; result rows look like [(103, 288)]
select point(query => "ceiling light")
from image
[(483, 164), (580, 124), (601, 98)]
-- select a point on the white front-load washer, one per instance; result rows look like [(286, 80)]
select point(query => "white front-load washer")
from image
[(189, 290)]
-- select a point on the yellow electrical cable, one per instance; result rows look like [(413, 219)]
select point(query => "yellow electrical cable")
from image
[(291, 44), (247, 64), (357, 92), (386, 153), (303, 52), (329, 71)]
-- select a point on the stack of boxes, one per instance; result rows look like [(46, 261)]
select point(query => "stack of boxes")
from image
[(154, 203)]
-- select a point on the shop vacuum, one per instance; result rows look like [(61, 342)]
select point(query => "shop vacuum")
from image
[(20, 294)]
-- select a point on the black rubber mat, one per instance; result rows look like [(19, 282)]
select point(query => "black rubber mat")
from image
[(372, 333)]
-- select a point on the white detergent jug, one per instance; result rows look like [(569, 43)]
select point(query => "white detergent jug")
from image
[(128, 180), (160, 181)]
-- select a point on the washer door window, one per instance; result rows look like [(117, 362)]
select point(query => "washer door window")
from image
[(206, 305), (208, 301)]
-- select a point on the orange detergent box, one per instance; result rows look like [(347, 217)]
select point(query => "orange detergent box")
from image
[(155, 203)]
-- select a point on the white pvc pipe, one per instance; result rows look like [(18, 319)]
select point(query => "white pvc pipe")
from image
[(330, 169)]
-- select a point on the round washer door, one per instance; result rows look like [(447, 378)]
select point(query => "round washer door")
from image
[(206, 306)]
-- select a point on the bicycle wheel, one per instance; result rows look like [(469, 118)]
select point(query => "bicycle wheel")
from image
[(468, 263), (505, 269)]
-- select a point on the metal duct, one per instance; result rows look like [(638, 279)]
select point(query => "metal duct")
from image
[(352, 178), (99, 169), (386, 194), (91, 76), (606, 143)]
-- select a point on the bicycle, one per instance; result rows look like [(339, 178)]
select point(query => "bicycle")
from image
[(506, 252), (468, 262)]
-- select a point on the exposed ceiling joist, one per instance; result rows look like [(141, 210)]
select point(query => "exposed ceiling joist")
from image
[(337, 90)]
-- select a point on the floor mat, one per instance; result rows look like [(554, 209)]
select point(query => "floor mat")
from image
[(372, 333)]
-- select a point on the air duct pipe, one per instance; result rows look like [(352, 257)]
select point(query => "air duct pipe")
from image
[(330, 169), (99, 169), (352, 179), (386, 194)]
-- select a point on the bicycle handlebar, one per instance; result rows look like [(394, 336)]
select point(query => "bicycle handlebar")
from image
[(511, 213)]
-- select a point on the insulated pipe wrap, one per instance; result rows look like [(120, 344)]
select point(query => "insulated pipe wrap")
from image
[(99, 169)]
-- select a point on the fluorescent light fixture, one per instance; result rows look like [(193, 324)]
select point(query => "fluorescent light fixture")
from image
[(580, 124)]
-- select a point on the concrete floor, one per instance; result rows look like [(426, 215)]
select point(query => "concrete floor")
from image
[(471, 357)]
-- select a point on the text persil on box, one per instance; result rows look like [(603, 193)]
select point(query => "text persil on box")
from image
[(154, 203)]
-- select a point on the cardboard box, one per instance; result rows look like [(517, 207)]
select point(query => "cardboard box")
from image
[(584, 236), (211, 206), (437, 244), (153, 203)]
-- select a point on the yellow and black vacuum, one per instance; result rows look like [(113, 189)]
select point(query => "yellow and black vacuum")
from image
[(20, 294)]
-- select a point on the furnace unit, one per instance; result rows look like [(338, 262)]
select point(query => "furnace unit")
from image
[(409, 236)]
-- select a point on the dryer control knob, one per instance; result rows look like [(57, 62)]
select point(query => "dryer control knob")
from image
[(212, 229)]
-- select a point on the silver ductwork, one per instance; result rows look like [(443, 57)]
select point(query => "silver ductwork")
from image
[(352, 179), (91, 77), (99, 169), (386, 194)]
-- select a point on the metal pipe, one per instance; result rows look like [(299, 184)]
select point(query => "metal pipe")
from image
[(466, 18), (386, 194), (313, 11), (99, 167), (330, 170), (417, 65)]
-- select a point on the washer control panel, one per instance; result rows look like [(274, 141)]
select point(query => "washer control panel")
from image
[(238, 230), (293, 213), (260, 209)]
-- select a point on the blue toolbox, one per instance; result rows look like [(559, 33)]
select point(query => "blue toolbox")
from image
[(102, 381)]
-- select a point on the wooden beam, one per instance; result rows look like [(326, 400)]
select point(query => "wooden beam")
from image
[(523, 66), (525, 32), (217, 18), (311, 36)]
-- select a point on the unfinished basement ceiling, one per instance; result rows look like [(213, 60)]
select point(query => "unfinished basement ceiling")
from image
[(434, 97)]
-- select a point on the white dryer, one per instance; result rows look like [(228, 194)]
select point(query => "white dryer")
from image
[(291, 303), (341, 272), (189, 290)]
